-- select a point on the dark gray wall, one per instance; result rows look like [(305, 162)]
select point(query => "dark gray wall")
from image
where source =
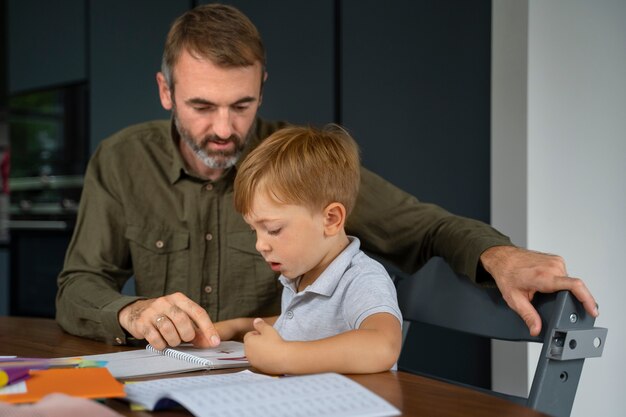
[(125, 48), (299, 38), (416, 82), (415, 92)]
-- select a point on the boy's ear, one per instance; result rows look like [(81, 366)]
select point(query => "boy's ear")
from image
[(334, 218)]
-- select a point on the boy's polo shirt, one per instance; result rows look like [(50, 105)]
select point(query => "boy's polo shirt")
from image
[(352, 288)]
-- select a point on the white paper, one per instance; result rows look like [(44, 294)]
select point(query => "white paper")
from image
[(299, 396)]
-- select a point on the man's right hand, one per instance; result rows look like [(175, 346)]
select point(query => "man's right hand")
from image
[(169, 321)]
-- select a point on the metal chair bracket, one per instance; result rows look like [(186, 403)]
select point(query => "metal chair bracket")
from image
[(577, 344)]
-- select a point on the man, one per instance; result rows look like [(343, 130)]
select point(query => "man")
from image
[(157, 204)]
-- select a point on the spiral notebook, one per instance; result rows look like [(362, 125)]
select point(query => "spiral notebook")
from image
[(183, 358)]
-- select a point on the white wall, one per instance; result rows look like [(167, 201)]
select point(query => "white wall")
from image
[(574, 151), (509, 161)]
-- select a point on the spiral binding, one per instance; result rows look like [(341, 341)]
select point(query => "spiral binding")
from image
[(184, 356)]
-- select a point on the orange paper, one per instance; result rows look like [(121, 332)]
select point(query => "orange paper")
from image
[(79, 382)]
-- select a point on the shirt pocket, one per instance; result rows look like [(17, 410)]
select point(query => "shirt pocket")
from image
[(160, 259), (257, 286)]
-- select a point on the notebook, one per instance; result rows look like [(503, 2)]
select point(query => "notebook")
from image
[(183, 358), (248, 394)]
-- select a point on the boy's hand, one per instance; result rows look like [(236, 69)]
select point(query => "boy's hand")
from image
[(265, 349)]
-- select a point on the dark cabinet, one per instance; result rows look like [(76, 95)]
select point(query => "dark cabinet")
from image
[(4, 280), (46, 43), (36, 259)]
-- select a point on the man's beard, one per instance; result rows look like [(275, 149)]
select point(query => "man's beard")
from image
[(212, 159)]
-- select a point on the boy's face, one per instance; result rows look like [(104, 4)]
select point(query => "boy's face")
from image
[(291, 238)]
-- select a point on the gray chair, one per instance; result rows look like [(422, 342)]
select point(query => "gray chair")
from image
[(438, 296)]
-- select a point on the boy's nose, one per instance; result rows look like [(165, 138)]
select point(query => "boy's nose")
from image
[(261, 246)]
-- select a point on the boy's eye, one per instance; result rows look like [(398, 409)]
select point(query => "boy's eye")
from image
[(274, 232)]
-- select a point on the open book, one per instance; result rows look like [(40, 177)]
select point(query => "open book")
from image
[(183, 358), (248, 394)]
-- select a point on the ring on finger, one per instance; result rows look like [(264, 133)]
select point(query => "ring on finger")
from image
[(159, 320)]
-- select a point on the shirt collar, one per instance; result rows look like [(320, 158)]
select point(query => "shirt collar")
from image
[(328, 280), (177, 168)]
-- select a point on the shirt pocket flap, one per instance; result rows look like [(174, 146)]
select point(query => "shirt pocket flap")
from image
[(244, 241), (158, 240)]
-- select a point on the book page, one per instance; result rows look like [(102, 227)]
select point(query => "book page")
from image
[(309, 395), (148, 393)]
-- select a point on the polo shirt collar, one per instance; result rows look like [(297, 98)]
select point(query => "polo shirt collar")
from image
[(328, 280)]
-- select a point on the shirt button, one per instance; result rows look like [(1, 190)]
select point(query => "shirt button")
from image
[(118, 340), (208, 289), (289, 314), (208, 236), (208, 187), (159, 244)]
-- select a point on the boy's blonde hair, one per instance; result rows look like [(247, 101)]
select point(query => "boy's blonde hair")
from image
[(302, 166)]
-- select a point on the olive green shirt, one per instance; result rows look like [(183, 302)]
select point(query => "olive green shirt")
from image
[(143, 214)]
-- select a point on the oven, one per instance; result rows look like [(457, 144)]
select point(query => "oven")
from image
[(48, 155)]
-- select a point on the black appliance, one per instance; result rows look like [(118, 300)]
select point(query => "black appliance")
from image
[(49, 151)]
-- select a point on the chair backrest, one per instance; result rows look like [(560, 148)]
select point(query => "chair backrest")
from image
[(436, 295)]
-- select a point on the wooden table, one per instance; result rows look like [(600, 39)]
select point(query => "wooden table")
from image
[(414, 395)]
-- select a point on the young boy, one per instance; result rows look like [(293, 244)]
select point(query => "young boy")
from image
[(339, 307)]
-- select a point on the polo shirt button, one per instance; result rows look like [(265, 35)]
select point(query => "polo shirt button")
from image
[(208, 187), (208, 236), (208, 289), (159, 244), (289, 314), (118, 340)]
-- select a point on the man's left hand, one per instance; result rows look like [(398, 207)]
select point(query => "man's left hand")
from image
[(520, 273)]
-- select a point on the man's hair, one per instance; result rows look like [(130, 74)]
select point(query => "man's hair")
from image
[(301, 166), (216, 32)]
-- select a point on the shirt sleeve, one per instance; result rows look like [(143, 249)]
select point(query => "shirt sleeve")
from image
[(369, 292), (97, 262), (394, 226)]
